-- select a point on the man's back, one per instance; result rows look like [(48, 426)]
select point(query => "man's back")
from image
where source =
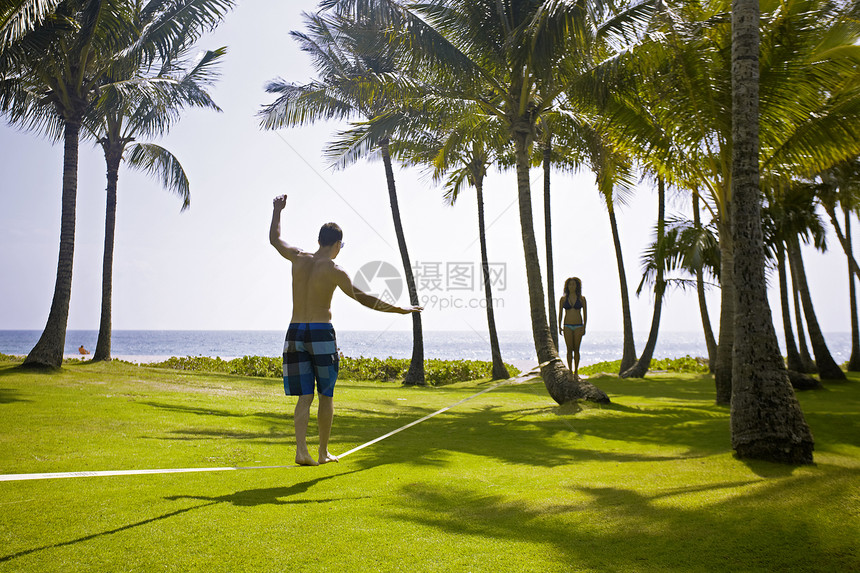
[(314, 281)]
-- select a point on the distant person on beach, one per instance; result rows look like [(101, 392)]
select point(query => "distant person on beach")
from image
[(572, 316), (310, 348), (83, 350)]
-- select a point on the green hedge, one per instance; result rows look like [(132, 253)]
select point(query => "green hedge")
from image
[(436, 372), (686, 364)]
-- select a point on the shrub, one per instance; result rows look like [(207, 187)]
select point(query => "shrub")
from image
[(686, 364), (436, 372)]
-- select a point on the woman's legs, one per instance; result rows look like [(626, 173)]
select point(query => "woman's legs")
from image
[(577, 341)]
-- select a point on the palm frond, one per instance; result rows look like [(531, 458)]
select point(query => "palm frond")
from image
[(159, 163), (21, 17), (171, 26)]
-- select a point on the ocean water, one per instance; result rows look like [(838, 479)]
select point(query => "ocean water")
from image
[(517, 347)]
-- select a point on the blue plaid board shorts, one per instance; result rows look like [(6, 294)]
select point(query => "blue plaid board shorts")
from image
[(310, 355)]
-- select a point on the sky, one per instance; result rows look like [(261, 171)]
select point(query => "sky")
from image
[(212, 267)]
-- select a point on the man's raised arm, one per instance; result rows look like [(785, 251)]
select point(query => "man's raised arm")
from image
[(368, 300), (287, 251)]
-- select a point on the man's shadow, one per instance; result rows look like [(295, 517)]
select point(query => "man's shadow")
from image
[(267, 496), (246, 498)]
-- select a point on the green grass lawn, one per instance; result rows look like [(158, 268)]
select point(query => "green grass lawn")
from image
[(507, 481)]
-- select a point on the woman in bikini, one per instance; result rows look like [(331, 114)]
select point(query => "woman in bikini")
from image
[(572, 316)]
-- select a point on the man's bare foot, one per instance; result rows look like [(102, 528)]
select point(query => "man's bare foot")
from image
[(326, 458), (305, 460)]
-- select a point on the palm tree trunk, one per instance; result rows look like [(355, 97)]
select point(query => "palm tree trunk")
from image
[(559, 381), (723, 372), (827, 367), (48, 351), (794, 362), (500, 372), (805, 359), (113, 157), (415, 374), (639, 369), (854, 361), (766, 420), (710, 342), (628, 354), (844, 240), (550, 281)]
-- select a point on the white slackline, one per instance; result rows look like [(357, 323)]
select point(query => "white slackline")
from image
[(19, 477), (59, 475)]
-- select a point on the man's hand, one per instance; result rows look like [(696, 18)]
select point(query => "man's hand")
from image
[(411, 309), (279, 202)]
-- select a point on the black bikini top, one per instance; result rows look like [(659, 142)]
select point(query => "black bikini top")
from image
[(566, 304)]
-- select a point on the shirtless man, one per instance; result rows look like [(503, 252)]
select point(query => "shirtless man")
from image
[(310, 348)]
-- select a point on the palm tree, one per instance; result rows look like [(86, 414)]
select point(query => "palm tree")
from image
[(793, 215), (704, 243), (805, 357), (583, 141), (854, 360), (50, 77), (546, 163), (766, 419), (790, 213), (137, 105), (793, 360), (841, 184), (350, 56), (827, 367), (807, 115), (499, 55), (639, 369), (53, 60), (691, 248), (458, 154)]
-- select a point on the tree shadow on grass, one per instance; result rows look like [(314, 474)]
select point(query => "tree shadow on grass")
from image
[(246, 498), (20, 369), (9, 396), (103, 533), (541, 435), (679, 415), (756, 528)]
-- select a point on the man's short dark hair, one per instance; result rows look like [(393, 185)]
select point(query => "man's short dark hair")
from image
[(330, 233)]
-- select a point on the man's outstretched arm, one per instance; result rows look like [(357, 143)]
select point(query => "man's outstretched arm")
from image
[(368, 300), (287, 251)]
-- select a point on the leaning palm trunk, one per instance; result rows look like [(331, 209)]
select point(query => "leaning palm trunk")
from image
[(805, 358), (113, 158), (766, 420), (723, 372), (415, 374), (827, 367), (844, 240), (550, 280), (710, 342), (500, 372), (854, 361), (793, 356), (559, 381), (639, 369), (628, 354), (48, 351)]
